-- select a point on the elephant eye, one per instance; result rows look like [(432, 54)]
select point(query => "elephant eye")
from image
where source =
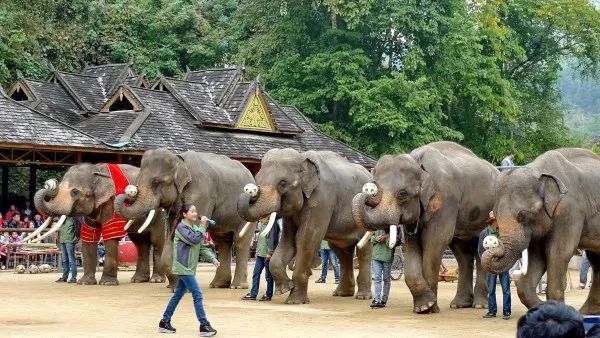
[(155, 182), (75, 193), (522, 217), (402, 194), (282, 184)]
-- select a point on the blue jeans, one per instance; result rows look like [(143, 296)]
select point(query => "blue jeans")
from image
[(325, 256), (69, 261), (505, 283), (382, 271), (261, 263), (583, 271), (190, 283)]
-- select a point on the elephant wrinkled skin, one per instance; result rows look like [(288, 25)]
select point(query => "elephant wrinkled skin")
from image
[(441, 193), (549, 207), (312, 191)]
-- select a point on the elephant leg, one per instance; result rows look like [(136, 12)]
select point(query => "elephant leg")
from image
[(90, 261), (465, 258), (592, 303), (364, 273), (223, 243), (307, 243), (346, 284), (557, 270), (536, 267), (142, 268), (423, 296), (480, 300), (282, 256), (242, 254), (157, 238), (111, 254), (166, 264)]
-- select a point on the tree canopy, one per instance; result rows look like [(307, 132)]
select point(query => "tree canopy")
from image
[(382, 75)]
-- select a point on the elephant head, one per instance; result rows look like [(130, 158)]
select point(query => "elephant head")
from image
[(286, 179), (526, 202), (84, 190), (160, 182), (401, 189)]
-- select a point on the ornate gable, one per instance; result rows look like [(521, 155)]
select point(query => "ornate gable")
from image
[(256, 115)]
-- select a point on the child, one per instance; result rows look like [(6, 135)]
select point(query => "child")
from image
[(187, 247), (382, 264)]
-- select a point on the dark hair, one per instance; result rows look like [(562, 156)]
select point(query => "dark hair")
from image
[(594, 332), (551, 319), (185, 208)]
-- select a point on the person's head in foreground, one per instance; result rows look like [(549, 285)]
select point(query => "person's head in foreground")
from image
[(551, 319)]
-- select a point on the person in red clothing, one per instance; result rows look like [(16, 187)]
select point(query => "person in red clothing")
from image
[(1, 221), (10, 213)]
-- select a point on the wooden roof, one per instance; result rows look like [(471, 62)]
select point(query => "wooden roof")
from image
[(107, 106)]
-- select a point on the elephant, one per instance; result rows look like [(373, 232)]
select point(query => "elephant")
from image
[(549, 207), (209, 181), (442, 194), (88, 190), (312, 191)]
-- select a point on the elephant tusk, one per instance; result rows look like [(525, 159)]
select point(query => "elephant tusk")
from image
[(244, 229), (129, 223), (364, 239), (525, 256), (38, 230), (393, 236), (54, 229), (147, 222), (265, 232)]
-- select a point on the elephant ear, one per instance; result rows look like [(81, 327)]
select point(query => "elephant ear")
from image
[(309, 176), (427, 189), (552, 191), (182, 174), (103, 186)]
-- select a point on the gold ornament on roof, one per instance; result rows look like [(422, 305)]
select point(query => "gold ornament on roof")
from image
[(256, 116)]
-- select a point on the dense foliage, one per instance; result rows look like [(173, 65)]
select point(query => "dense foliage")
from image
[(382, 75)]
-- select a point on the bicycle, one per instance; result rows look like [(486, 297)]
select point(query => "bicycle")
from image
[(397, 269)]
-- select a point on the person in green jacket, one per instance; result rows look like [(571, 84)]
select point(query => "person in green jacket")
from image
[(189, 244), (68, 237), (327, 254), (382, 267)]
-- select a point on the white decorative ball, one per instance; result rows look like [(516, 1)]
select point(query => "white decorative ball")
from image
[(251, 189), (45, 268), (491, 242), (50, 184), (370, 189), (20, 268), (131, 190), (33, 269)]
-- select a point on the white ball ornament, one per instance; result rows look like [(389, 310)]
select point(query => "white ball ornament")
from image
[(251, 189), (33, 269), (50, 184), (131, 190), (370, 189), (20, 269), (490, 242)]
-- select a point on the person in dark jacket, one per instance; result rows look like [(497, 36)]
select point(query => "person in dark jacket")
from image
[(188, 246), (492, 230), (264, 250)]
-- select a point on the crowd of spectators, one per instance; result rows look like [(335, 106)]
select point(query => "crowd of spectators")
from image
[(18, 218)]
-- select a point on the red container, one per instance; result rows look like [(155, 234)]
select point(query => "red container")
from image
[(127, 253)]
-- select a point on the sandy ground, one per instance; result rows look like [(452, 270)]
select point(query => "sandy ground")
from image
[(35, 306)]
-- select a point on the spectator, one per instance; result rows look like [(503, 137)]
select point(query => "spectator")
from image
[(508, 160), (3, 257), (15, 239), (326, 255), (4, 238), (265, 247), (551, 319), (101, 252), (67, 239), (492, 230), (38, 220), (27, 212), (583, 270), (10, 213), (382, 265), (16, 221), (1, 221)]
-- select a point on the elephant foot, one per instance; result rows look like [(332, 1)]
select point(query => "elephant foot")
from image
[(239, 285), (87, 280), (109, 281), (426, 304), (140, 277), (297, 298), (342, 291), (285, 287), (157, 278), (480, 303), (590, 309), (220, 284), (363, 295), (461, 302)]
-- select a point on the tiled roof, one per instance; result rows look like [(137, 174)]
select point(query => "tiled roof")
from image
[(31, 127), (110, 75), (108, 127), (200, 100), (217, 81), (235, 102), (54, 101), (91, 90)]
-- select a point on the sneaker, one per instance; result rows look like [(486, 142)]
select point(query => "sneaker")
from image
[(72, 280), (337, 281), (248, 297), (375, 304), (61, 280), (320, 280), (207, 331), (506, 316), (383, 303), (489, 315), (164, 326), (265, 298), (581, 286)]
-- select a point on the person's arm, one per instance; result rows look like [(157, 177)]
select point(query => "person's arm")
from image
[(188, 235), (273, 239), (374, 238), (480, 248), (207, 254)]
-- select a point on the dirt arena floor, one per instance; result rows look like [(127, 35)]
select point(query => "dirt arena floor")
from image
[(35, 306)]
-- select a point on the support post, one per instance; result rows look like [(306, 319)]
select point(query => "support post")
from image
[(32, 181), (5, 169)]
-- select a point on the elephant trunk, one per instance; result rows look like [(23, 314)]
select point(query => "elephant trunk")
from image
[(502, 258), (139, 208), (268, 202), (53, 202), (373, 216)]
